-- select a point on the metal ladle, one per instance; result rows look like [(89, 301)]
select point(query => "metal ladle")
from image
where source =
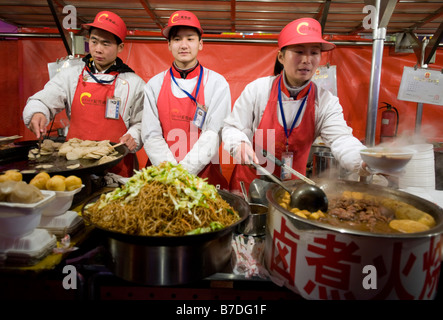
[(306, 197)]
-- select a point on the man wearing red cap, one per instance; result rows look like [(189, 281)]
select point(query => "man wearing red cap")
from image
[(283, 114), (185, 105), (103, 98)]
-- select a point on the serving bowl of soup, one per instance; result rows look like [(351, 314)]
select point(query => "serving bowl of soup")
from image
[(387, 160)]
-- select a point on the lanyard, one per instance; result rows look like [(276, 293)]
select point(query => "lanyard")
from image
[(97, 80), (283, 113), (198, 85)]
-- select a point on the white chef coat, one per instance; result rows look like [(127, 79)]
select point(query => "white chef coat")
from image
[(218, 102), (58, 94), (330, 124)]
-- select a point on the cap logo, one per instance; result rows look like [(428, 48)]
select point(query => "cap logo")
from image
[(300, 26), (180, 17), (102, 15), (105, 15)]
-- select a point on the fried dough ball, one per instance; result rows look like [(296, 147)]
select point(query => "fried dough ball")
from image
[(43, 174), (40, 180), (72, 183), (59, 176), (39, 183), (56, 183), (11, 175)]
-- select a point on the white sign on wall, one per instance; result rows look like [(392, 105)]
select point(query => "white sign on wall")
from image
[(421, 85)]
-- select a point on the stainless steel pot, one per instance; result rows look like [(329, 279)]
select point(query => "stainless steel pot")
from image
[(320, 261), (255, 224), (165, 261), (324, 165)]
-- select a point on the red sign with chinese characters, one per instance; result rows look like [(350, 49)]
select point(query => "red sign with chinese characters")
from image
[(323, 264)]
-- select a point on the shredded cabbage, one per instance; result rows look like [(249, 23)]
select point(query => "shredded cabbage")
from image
[(192, 191)]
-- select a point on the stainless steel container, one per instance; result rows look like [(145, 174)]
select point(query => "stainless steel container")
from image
[(321, 261), (324, 165), (255, 223), (165, 261)]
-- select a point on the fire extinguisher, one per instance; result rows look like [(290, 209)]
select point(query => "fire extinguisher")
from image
[(389, 122)]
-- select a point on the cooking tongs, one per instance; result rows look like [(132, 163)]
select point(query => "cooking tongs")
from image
[(36, 153), (40, 143), (280, 163)]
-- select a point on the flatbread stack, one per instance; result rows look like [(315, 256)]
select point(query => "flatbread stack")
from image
[(48, 147), (75, 149)]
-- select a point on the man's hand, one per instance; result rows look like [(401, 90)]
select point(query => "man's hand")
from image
[(129, 141), (363, 170), (38, 124)]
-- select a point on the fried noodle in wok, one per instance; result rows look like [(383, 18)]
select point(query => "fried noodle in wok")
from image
[(162, 201)]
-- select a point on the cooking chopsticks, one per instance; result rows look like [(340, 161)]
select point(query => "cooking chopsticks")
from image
[(283, 165)]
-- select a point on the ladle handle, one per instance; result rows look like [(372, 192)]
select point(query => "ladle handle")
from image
[(283, 165), (243, 189), (270, 175)]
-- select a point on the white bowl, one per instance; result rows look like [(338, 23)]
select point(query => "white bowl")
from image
[(20, 219), (62, 203), (386, 160)]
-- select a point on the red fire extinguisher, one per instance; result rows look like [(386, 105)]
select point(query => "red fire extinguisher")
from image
[(389, 122)]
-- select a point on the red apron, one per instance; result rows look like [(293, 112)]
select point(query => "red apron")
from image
[(88, 120), (175, 115), (299, 141)]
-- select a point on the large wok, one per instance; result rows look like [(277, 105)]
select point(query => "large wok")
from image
[(336, 187), (334, 262), (164, 261)]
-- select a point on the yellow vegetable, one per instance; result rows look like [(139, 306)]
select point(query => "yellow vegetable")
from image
[(407, 226)]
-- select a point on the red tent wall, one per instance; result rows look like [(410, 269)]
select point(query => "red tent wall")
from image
[(25, 72)]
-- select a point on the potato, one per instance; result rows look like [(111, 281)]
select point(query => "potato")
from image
[(56, 184), (72, 183), (409, 212), (407, 226), (301, 214)]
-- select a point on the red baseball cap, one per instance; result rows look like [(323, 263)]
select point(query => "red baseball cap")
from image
[(109, 21), (181, 18), (304, 30)]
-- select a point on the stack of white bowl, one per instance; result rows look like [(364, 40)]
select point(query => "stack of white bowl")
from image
[(420, 170)]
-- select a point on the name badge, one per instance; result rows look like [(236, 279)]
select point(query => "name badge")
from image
[(287, 158), (199, 115), (112, 108)]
